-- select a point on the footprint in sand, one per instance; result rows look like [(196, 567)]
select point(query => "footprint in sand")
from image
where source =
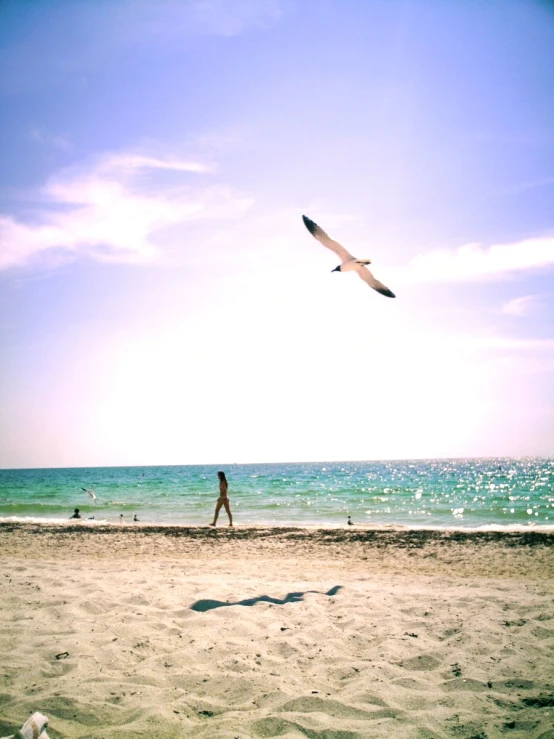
[(541, 633), (421, 662), (464, 683), (278, 726), (336, 709), (58, 668), (507, 686), (273, 726)]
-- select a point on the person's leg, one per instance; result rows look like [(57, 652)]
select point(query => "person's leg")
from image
[(217, 509), (228, 509)]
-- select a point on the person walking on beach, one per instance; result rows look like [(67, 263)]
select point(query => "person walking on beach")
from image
[(223, 499)]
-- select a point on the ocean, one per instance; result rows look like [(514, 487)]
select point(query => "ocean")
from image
[(435, 493)]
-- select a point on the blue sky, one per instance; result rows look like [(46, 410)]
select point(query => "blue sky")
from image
[(160, 299)]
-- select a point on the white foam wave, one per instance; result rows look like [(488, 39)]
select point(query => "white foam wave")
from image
[(50, 520)]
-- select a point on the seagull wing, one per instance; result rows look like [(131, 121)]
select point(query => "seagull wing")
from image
[(366, 276), (322, 237)]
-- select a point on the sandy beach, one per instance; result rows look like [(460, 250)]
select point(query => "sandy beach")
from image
[(122, 631)]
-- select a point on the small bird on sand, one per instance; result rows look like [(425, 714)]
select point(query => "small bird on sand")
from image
[(349, 263)]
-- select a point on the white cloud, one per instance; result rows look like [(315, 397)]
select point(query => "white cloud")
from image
[(521, 306), (475, 262), (133, 162), (111, 211)]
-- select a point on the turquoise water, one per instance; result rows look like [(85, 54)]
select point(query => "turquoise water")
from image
[(468, 493)]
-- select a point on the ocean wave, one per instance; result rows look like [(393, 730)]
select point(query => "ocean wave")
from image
[(50, 520)]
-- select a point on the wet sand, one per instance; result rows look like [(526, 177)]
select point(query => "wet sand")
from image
[(144, 631)]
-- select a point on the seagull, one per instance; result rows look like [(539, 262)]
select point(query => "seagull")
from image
[(90, 492), (349, 263)]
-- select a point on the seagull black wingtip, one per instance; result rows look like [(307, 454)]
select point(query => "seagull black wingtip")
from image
[(310, 225), (382, 290)]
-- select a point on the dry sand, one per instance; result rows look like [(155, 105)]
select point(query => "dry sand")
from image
[(256, 632)]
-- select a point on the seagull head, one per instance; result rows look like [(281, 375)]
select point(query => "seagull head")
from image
[(337, 269)]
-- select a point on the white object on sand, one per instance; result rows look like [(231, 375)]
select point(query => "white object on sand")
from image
[(349, 263), (33, 728)]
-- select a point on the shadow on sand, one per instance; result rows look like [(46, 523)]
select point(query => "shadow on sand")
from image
[(207, 605)]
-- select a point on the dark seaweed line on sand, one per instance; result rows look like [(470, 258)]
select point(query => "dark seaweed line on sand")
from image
[(377, 538)]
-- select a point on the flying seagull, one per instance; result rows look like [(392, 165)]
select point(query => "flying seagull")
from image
[(90, 492), (349, 263)]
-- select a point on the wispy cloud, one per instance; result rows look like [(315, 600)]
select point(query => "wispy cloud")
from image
[(110, 211), (169, 19), (132, 162), (516, 356), (506, 354), (475, 262), (508, 343), (529, 185), (43, 137), (98, 30), (521, 187), (228, 19), (521, 306)]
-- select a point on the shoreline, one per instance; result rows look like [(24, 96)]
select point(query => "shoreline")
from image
[(94, 523), (523, 534), (389, 550)]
